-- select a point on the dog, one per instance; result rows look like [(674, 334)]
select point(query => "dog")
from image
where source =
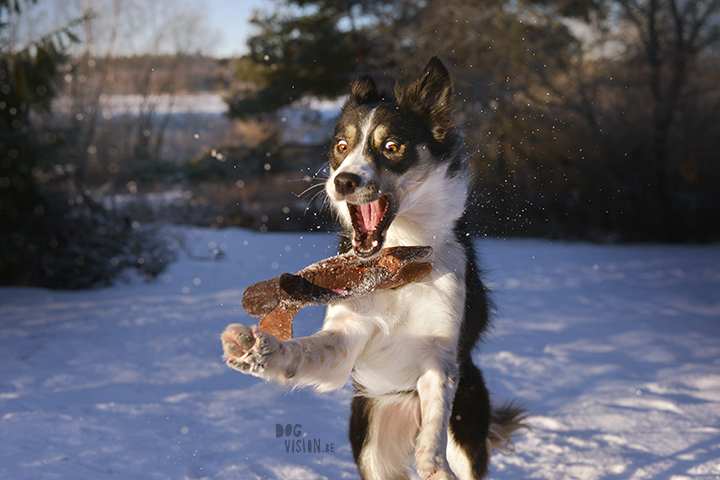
[(399, 176)]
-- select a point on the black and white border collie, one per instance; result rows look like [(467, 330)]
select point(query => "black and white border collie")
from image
[(399, 177)]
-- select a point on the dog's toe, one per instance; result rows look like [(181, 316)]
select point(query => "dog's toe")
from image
[(237, 340)]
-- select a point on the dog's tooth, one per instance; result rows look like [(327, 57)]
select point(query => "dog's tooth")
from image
[(375, 243)]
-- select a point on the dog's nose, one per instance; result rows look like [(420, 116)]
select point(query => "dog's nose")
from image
[(346, 183)]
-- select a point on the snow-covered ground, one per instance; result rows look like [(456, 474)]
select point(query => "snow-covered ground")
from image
[(615, 349)]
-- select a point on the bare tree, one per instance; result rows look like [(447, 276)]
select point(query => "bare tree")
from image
[(158, 36), (673, 36)]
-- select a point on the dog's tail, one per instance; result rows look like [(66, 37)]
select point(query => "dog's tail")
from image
[(506, 423)]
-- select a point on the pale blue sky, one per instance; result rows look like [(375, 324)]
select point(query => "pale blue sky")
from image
[(227, 20), (231, 19)]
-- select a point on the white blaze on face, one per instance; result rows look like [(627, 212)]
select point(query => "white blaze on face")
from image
[(355, 162), (362, 207)]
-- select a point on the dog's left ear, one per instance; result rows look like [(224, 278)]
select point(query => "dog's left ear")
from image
[(430, 97)]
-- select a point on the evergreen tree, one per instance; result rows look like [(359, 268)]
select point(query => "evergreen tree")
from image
[(28, 83), (302, 49)]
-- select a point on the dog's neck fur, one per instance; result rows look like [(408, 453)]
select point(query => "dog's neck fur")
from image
[(419, 220)]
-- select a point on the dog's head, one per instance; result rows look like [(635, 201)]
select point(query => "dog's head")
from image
[(382, 144)]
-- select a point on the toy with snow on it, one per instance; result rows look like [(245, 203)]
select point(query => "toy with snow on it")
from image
[(337, 278)]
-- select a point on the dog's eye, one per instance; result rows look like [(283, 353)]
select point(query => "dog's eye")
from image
[(342, 146), (391, 147)]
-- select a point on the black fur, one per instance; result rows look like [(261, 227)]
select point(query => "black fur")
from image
[(470, 419), (359, 422), (478, 302), (430, 98)]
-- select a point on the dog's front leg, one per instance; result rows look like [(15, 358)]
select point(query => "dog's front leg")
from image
[(323, 360), (436, 389)]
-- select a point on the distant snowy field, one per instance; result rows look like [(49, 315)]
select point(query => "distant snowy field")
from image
[(615, 349)]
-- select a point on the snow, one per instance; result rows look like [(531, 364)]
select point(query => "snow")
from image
[(201, 103), (615, 350)]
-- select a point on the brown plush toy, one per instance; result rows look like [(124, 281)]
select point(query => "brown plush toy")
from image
[(344, 276)]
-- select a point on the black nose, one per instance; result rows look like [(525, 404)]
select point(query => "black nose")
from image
[(346, 183)]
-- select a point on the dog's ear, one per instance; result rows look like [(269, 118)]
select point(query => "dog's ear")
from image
[(430, 97), (364, 91)]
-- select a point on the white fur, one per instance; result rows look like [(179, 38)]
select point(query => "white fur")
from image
[(458, 461), (353, 163), (394, 424)]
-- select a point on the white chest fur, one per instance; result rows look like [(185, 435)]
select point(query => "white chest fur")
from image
[(411, 323)]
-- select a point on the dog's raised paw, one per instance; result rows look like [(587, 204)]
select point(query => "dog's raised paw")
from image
[(247, 349)]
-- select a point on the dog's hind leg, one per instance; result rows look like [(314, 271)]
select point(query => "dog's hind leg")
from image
[(468, 431), (477, 429), (382, 434)]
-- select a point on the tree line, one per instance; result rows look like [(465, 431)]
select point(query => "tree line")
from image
[(591, 119)]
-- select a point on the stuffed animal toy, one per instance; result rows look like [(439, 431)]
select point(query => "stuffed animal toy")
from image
[(341, 277)]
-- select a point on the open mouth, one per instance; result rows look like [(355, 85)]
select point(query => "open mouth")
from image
[(370, 222)]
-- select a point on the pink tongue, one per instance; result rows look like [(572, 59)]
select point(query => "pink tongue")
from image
[(370, 214)]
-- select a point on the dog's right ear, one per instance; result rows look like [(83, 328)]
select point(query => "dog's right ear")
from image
[(364, 91)]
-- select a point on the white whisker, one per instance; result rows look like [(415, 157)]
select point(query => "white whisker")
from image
[(309, 189), (310, 202)]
